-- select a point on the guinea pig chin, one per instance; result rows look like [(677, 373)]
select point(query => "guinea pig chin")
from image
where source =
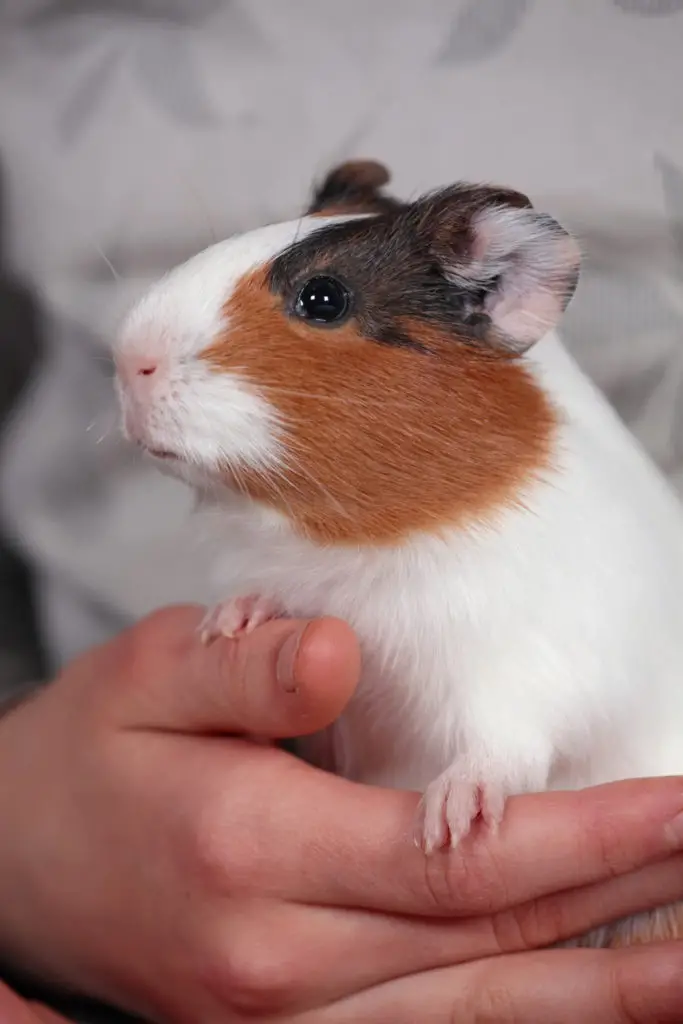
[(200, 420)]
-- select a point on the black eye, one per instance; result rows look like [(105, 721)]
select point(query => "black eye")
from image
[(324, 300)]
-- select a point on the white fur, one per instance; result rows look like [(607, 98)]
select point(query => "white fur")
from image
[(542, 650)]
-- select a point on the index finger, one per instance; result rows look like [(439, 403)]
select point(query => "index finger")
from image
[(363, 852)]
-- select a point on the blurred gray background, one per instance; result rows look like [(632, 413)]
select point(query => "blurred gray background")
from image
[(134, 133)]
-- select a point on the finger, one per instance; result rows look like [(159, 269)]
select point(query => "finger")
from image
[(286, 958), (45, 1015), (289, 958), (637, 986), (286, 678), (572, 914), (363, 853), (14, 1010)]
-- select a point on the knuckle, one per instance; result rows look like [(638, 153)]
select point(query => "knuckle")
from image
[(441, 883), (145, 650), (453, 881), (156, 621), (224, 850), (217, 858), (510, 929), (256, 974), (602, 844), (153, 629), (231, 665), (236, 691), (529, 926), (473, 880), (133, 650), (174, 617), (165, 628), (607, 850)]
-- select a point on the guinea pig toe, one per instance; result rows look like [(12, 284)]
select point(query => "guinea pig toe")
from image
[(452, 803), (259, 610), (431, 829), (238, 615)]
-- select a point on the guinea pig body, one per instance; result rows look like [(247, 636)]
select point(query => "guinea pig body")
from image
[(385, 427), (522, 653)]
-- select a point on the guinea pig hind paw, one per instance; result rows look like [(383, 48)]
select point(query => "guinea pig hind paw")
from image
[(235, 617), (450, 806)]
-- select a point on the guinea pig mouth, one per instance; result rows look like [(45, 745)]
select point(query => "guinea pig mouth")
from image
[(160, 453)]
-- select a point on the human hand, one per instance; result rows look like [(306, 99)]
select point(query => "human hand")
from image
[(151, 859), (14, 1010)]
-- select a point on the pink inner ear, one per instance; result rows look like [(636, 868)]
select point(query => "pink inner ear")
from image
[(535, 263), (526, 317), (528, 264)]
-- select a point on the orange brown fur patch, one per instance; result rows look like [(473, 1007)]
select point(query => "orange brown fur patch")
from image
[(383, 440)]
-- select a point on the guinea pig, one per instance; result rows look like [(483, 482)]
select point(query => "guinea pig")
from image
[(375, 399)]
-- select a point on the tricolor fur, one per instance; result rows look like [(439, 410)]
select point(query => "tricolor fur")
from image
[(432, 467)]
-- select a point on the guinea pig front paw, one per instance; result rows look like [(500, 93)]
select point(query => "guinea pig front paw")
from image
[(237, 616), (452, 803)]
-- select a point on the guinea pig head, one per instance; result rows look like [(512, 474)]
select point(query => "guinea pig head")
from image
[(362, 369)]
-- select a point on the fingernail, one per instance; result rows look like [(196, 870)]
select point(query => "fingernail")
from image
[(286, 660), (674, 831)]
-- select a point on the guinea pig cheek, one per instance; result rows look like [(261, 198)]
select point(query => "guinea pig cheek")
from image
[(222, 422), (380, 442)]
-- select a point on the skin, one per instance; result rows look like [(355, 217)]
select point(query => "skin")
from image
[(173, 867)]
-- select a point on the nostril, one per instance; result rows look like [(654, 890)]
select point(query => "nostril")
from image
[(132, 366)]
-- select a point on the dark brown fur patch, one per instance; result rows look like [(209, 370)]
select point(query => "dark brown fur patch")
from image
[(393, 264), (421, 430), (353, 187)]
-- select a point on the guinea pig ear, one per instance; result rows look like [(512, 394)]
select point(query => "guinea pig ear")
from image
[(520, 267), (354, 187)]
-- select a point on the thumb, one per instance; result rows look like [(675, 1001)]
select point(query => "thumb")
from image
[(287, 678)]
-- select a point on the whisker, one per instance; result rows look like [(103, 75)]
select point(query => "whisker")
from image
[(299, 225), (300, 468), (265, 477), (106, 429), (238, 480), (100, 251)]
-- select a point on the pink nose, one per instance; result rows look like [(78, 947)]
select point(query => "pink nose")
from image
[(135, 370)]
